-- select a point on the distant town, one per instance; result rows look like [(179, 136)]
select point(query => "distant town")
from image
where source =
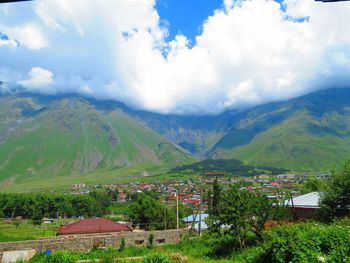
[(189, 192)]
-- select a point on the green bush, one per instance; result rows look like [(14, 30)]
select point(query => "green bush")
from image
[(150, 240), (306, 242), (157, 258), (58, 257), (122, 245)]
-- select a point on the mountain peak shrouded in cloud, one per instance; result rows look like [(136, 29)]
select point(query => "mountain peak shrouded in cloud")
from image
[(39, 79), (247, 53)]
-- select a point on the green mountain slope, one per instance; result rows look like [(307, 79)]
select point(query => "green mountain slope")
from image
[(307, 133), (57, 141), (65, 140)]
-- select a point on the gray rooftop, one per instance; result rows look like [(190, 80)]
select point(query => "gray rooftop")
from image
[(310, 200), (190, 218)]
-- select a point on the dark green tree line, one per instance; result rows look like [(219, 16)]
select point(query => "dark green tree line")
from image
[(38, 205)]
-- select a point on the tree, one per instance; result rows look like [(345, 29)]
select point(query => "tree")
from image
[(103, 201), (113, 193), (210, 200), (147, 212), (335, 200), (150, 214), (215, 201), (241, 217), (314, 184)]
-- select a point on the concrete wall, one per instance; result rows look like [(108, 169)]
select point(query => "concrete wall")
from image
[(87, 242)]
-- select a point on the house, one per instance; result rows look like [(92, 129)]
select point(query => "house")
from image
[(93, 225), (304, 206), (194, 220), (48, 220), (192, 202), (78, 186), (214, 174)]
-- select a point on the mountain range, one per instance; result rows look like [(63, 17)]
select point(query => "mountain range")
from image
[(60, 140)]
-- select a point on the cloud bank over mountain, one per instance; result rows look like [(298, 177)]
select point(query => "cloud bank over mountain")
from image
[(248, 52)]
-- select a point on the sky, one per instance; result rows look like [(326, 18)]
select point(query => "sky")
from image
[(188, 57)]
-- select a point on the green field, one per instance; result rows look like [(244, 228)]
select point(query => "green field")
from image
[(25, 231)]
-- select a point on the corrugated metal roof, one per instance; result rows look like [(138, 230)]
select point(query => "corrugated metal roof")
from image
[(310, 200), (204, 226), (92, 225), (192, 218)]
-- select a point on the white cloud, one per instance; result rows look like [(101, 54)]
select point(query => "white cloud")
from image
[(39, 79), (249, 52), (6, 41), (10, 43), (28, 35), (86, 89)]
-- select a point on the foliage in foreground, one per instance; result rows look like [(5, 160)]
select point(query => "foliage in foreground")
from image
[(240, 217), (302, 242), (310, 242), (336, 197), (107, 255)]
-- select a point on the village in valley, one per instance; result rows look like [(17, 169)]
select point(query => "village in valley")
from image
[(189, 191), (186, 206), (174, 131), (193, 193)]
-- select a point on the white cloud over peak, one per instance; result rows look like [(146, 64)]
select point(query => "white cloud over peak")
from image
[(39, 79), (249, 52)]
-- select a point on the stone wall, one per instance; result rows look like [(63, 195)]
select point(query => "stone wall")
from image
[(87, 242)]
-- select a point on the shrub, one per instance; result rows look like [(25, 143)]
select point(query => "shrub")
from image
[(157, 258), (58, 257), (306, 242), (17, 222), (122, 245), (150, 240)]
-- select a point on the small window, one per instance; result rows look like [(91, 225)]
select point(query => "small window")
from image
[(160, 241), (99, 243), (139, 242)]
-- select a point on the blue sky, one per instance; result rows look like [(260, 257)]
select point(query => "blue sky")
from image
[(175, 56), (186, 16)]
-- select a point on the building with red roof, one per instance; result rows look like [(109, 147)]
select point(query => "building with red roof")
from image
[(93, 225)]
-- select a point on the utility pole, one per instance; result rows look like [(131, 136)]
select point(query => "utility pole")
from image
[(294, 213), (200, 210), (177, 210)]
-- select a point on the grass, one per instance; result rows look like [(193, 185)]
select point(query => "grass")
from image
[(25, 231), (110, 253)]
